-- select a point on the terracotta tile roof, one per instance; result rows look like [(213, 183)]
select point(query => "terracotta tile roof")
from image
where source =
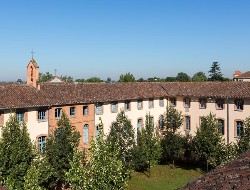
[(233, 175), (244, 75)]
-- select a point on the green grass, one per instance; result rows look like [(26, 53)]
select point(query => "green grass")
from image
[(163, 177)]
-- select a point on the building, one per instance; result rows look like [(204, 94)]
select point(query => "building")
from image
[(90, 104), (239, 76)]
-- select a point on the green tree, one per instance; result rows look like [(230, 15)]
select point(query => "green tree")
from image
[(199, 77), (59, 150), (182, 77), (16, 153), (45, 77), (94, 79), (208, 142), (80, 80), (128, 77), (173, 119), (243, 143), (215, 72), (148, 149), (141, 80), (170, 79), (67, 78)]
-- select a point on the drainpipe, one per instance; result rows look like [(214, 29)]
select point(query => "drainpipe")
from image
[(227, 120)]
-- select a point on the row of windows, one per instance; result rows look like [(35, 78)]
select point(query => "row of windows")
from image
[(127, 105), (72, 111), (219, 103)]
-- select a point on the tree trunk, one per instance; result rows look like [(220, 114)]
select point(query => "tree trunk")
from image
[(207, 165)]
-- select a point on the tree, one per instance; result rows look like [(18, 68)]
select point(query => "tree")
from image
[(182, 77), (94, 79), (60, 148), (170, 79), (215, 73), (243, 143), (141, 80), (173, 119), (128, 77), (208, 142), (122, 132), (199, 77), (45, 77), (16, 153), (67, 78), (148, 149), (80, 80)]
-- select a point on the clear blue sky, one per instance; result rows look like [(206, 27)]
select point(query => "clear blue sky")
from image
[(105, 38)]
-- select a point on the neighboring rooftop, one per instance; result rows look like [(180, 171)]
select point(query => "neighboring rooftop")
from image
[(233, 175)]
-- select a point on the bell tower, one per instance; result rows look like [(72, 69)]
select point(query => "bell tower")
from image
[(32, 73)]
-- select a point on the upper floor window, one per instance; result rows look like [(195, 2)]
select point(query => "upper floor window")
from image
[(186, 102), (151, 103), (161, 102), (58, 112), (172, 101), (139, 104), (20, 116), (221, 126), (127, 105), (85, 110), (139, 125), (203, 103), (114, 107), (239, 104), (98, 109), (72, 111), (187, 122), (41, 114), (239, 128), (41, 143), (161, 122), (219, 104), (86, 134)]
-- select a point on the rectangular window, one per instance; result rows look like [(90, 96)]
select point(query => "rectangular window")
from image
[(41, 114), (139, 104), (203, 103), (221, 126), (173, 102), (139, 125), (41, 143), (58, 113), (114, 107), (187, 122), (86, 134), (150, 103), (85, 110), (161, 102), (219, 104), (161, 122), (239, 104), (127, 105), (98, 130), (72, 111), (20, 116), (186, 102), (239, 128), (99, 109)]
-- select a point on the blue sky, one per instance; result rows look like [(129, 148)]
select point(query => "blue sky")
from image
[(106, 38)]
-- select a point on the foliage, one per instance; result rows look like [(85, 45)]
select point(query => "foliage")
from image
[(45, 77), (182, 77), (148, 148), (106, 169), (243, 143), (199, 77), (16, 153), (128, 77), (94, 79), (80, 80), (215, 73), (155, 79), (141, 80), (67, 78), (208, 142), (122, 132), (170, 79), (173, 119), (60, 148)]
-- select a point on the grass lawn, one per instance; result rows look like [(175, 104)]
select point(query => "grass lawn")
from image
[(163, 177)]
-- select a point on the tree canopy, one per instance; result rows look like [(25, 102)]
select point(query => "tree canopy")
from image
[(182, 77), (215, 72), (199, 77), (128, 77)]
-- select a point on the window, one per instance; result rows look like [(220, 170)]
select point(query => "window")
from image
[(20, 116), (186, 102), (172, 102), (127, 105), (58, 113), (139, 104), (203, 103), (98, 130), (187, 122), (114, 107), (221, 126), (151, 103), (161, 122), (161, 102), (86, 134), (72, 111), (139, 125), (98, 109), (41, 143), (239, 104), (85, 110), (239, 127), (219, 104), (41, 114)]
